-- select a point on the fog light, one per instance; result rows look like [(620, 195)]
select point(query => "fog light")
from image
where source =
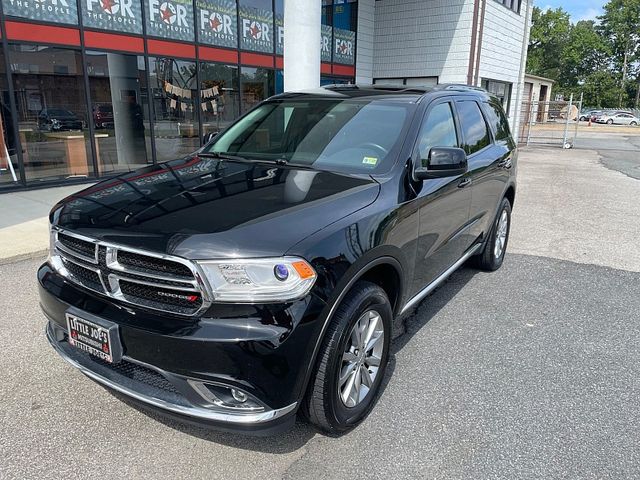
[(238, 395), (222, 396)]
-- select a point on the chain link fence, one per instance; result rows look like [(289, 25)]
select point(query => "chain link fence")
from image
[(549, 123)]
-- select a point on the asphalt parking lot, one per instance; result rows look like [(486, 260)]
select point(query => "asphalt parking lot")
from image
[(530, 372)]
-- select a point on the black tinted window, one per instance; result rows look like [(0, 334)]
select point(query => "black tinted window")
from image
[(474, 128), (498, 121), (438, 130), (356, 136)]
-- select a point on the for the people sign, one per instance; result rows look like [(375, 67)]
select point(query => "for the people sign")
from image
[(56, 11)]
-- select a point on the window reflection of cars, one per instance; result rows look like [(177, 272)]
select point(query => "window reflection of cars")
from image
[(103, 116), (58, 119)]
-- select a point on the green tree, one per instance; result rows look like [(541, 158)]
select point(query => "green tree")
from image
[(549, 32), (600, 89), (584, 52), (620, 24)]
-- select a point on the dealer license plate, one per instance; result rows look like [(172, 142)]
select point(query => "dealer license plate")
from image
[(88, 336)]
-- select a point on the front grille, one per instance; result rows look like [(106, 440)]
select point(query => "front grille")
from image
[(157, 265), (84, 275), (76, 245), (175, 300), (159, 282), (136, 372)]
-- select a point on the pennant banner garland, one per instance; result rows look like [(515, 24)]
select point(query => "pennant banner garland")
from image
[(173, 90), (209, 92)]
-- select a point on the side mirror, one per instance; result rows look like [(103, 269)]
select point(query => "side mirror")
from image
[(443, 162), (207, 137)]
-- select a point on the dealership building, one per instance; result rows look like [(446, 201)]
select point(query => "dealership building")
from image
[(93, 88)]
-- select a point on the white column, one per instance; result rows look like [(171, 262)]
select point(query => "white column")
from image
[(302, 20), (123, 80)]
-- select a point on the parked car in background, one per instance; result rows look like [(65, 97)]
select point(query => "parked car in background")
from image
[(58, 119), (587, 115), (618, 118), (262, 274), (103, 116), (595, 114)]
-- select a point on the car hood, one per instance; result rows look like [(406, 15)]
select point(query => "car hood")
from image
[(209, 208)]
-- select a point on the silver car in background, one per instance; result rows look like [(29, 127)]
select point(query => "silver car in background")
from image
[(618, 118)]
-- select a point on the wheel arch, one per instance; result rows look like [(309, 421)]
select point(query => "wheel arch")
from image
[(510, 194), (374, 271)]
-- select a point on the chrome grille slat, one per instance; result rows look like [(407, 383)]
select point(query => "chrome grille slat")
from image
[(72, 253), (80, 268), (153, 284)]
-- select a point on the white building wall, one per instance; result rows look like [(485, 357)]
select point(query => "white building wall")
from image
[(423, 38), (501, 56), (364, 43)]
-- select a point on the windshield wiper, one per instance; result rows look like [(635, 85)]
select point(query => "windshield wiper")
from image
[(223, 156), (280, 161)]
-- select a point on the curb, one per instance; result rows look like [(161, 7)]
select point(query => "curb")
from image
[(23, 256)]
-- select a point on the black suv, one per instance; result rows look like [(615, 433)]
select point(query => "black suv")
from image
[(261, 275)]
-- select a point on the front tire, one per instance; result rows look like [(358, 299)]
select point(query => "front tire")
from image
[(352, 360), (493, 253), (609, 122)]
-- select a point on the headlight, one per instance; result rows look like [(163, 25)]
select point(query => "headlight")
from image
[(259, 280)]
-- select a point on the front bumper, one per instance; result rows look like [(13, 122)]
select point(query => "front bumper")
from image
[(167, 361), (155, 388)]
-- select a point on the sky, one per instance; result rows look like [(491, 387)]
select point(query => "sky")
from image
[(579, 9)]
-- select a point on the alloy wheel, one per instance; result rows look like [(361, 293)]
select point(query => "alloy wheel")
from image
[(361, 359), (501, 234)]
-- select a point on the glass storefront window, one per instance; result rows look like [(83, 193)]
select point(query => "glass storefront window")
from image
[(345, 14), (117, 86), (219, 96), (257, 85), (279, 81), (345, 25), (327, 12), (327, 80), (9, 170), (52, 112), (174, 91)]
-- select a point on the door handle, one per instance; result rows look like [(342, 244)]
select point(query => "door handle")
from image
[(465, 182)]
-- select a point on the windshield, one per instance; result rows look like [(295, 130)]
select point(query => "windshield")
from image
[(347, 135)]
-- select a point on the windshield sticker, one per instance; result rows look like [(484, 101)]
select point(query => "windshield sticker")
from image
[(370, 161)]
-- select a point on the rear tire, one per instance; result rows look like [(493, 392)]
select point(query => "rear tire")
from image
[(493, 253), (342, 362), (634, 124)]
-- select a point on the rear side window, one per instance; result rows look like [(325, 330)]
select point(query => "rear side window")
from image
[(498, 121), (438, 130), (474, 128)]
